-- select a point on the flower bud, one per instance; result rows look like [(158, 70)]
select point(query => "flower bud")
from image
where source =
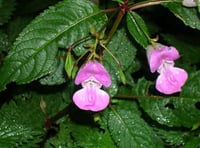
[(69, 64), (122, 76)]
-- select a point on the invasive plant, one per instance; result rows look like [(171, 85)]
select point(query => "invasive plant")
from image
[(95, 73)]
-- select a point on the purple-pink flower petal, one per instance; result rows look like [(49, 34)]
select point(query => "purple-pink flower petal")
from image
[(96, 70), (171, 80), (189, 3), (160, 53), (169, 53), (91, 98)]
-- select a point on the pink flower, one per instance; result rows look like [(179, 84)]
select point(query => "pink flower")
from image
[(161, 59), (190, 3), (92, 77), (171, 79), (158, 54)]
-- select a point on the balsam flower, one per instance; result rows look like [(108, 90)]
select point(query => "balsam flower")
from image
[(171, 79), (92, 76), (161, 59), (156, 55), (190, 3)]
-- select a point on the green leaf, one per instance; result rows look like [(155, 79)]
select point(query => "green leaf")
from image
[(62, 139), (57, 75), (167, 111), (192, 86), (17, 129), (6, 9), (22, 121), (34, 51), (76, 135), (175, 138), (93, 138), (128, 129), (137, 28), (194, 142), (138, 89), (189, 16), (160, 110)]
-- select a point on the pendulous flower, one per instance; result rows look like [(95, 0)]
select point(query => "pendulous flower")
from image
[(171, 79), (157, 54), (190, 3), (161, 59), (92, 76)]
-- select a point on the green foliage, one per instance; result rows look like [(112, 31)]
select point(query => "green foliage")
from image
[(127, 127), (4, 45), (188, 16), (167, 111), (34, 51), (6, 9), (137, 28), (17, 130), (191, 89), (62, 139), (57, 75), (171, 118), (37, 109), (76, 135)]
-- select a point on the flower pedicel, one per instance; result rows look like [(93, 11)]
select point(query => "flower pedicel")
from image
[(161, 59)]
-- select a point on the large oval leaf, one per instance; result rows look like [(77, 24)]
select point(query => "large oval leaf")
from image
[(189, 16), (34, 52)]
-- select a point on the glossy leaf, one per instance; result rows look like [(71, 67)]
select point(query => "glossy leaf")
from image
[(57, 75), (17, 131), (137, 28), (34, 51), (191, 88), (166, 110), (128, 129), (172, 137), (190, 16)]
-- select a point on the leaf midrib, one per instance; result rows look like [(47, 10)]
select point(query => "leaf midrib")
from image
[(38, 50)]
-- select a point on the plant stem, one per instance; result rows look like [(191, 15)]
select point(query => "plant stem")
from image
[(116, 60), (115, 25), (148, 3), (60, 114)]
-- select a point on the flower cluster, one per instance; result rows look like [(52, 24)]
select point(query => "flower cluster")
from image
[(92, 76), (161, 59), (190, 3)]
